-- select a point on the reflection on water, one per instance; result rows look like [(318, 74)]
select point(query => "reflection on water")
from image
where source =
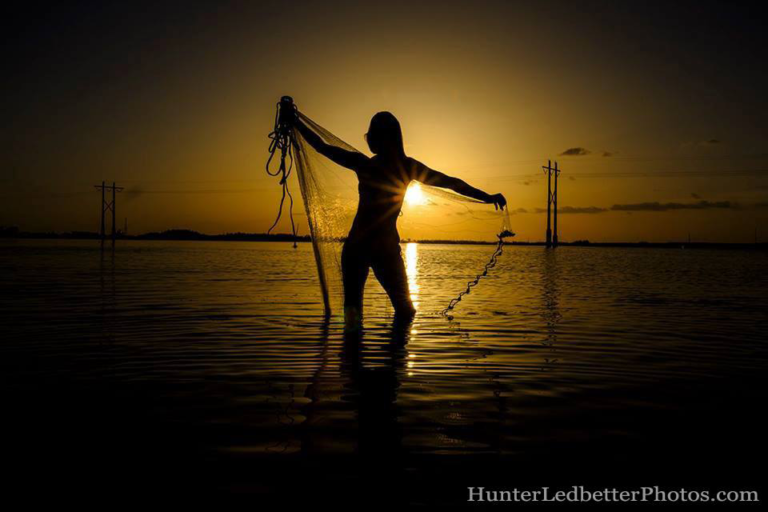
[(550, 292), (225, 346), (412, 269)]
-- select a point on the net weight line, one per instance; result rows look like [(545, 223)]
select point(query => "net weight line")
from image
[(474, 282)]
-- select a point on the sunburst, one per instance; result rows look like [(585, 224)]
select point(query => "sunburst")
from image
[(414, 196)]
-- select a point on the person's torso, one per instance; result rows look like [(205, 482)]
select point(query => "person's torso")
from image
[(382, 187)]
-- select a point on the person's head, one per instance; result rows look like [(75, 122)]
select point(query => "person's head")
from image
[(384, 136)]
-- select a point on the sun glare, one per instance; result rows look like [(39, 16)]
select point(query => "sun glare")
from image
[(414, 196)]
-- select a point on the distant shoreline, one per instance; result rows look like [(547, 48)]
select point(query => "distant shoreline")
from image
[(192, 236)]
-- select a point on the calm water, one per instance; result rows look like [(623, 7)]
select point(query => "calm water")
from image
[(208, 367)]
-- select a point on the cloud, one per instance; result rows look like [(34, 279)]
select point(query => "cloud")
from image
[(695, 195), (565, 210), (580, 209), (652, 207), (664, 207), (133, 193), (575, 152), (704, 145), (607, 153), (571, 178)]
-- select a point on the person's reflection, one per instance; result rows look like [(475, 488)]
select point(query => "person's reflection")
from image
[(361, 391), (372, 389), (550, 297), (369, 377), (107, 296)]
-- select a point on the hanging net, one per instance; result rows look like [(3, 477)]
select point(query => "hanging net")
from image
[(329, 193)]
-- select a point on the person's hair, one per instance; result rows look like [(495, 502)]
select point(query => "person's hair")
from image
[(385, 135)]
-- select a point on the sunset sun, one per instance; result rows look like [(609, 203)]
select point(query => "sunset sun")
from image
[(414, 196)]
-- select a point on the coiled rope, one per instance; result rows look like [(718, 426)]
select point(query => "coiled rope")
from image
[(281, 137)]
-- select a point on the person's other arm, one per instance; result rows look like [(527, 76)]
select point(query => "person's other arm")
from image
[(348, 159), (437, 179)]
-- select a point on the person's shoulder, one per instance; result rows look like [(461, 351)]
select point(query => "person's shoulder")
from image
[(361, 163), (413, 165), (358, 162), (416, 169), (412, 161)]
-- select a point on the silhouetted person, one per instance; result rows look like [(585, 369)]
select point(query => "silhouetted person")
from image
[(373, 241)]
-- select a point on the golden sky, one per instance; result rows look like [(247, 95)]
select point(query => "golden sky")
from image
[(654, 112)]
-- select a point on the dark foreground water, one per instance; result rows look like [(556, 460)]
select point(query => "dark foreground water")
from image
[(196, 369)]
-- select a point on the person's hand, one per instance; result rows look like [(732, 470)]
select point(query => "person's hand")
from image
[(498, 201), (289, 114)]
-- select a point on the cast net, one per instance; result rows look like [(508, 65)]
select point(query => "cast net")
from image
[(329, 193)]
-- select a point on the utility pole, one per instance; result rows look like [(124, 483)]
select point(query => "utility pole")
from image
[(548, 170), (108, 206), (554, 202), (551, 202), (114, 214), (103, 211)]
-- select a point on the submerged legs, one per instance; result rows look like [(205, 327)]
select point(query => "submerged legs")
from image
[(388, 267)]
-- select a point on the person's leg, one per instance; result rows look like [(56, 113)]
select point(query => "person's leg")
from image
[(389, 269), (354, 271)]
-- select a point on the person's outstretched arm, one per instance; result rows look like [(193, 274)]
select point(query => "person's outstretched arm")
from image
[(348, 159), (437, 179)]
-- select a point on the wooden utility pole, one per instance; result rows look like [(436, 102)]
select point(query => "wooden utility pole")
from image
[(113, 213), (551, 202), (108, 206), (554, 207), (548, 170), (103, 211)]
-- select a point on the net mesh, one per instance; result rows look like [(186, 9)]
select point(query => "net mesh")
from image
[(329, 193)]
